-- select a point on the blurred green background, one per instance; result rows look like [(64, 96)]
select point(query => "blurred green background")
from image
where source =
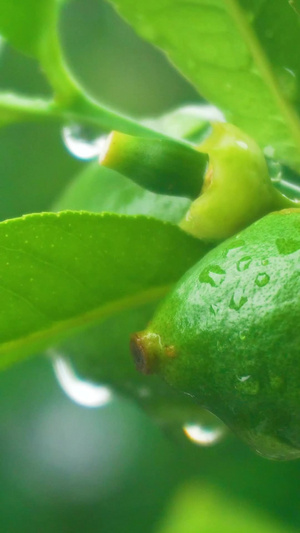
[(65, 468)]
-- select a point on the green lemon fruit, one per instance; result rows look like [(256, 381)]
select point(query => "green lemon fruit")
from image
[(229, 335)]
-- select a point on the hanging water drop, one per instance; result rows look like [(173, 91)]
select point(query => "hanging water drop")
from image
[(81, 392), (84, 143), (203, 435)]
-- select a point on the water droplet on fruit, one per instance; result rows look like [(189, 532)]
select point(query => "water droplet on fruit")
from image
[(247, 385), (238, 243), (244, 263), (84, 143), (203, 435), (214, 309), (287, 246), (238, 299), (262, 279), (213, 274), (264, 262), (81, 392)]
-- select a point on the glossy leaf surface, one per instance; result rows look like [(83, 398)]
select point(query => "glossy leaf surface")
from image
[(242, 55), (61, 272)]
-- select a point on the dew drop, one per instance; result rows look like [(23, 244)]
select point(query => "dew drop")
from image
[(269, 151), (84, 143), (81, 392), (287, 246), (288, 82), (237, 300), (247, 385), (244, 263), (262, 279), (242, 145), (264, 262), (213, 274), (214, 309), (203, 435), (233, 246)]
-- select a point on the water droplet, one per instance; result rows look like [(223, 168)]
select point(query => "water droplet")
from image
[(244, 263), (242, 145), (81, 392), (202, 435), (269, 151), (262, 279), (238, 243), (213, 274), (237, 300), (288, 82), (247, 385), (287, 246), (214, 309), (84, 143), (265, 262), (244, 378)]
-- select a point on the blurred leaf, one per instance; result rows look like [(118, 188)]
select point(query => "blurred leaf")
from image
[(202, 509), (61, 272), (239, 56), (98, 189), (24, 23), (187, 122)]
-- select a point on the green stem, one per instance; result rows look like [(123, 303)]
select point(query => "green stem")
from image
[(83, 110), (55, 69)]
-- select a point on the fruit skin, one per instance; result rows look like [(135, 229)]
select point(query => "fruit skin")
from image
[(237, 188), (229, 334)]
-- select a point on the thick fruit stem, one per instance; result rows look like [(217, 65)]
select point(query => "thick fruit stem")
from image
[(237, 188), (162, 166)]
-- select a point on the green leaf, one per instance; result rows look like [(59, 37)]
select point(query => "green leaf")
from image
[(197, 508), (60, 272), (31, 27), (242, 55), (24, 23)]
